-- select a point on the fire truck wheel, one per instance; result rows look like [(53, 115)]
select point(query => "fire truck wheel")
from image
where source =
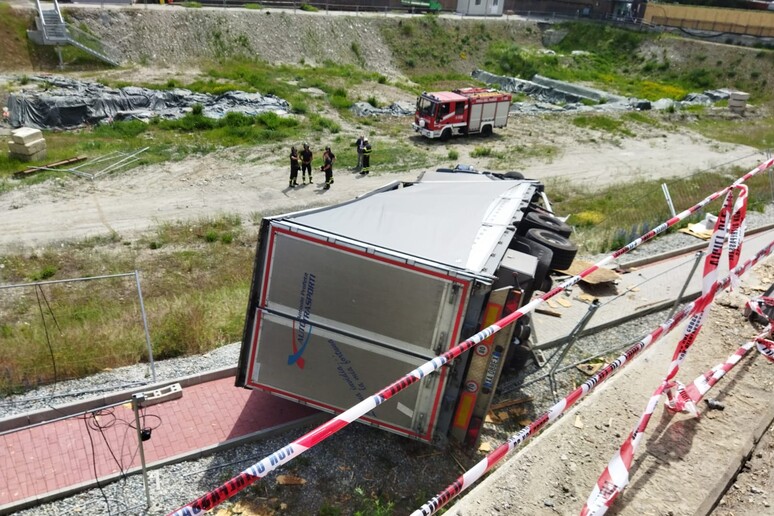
[(538, 219), (514, 175), (445, 135), (564, 250), (486, 131)]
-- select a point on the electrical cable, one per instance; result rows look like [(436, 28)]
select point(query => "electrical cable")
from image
[(45, 330), (94, 464)]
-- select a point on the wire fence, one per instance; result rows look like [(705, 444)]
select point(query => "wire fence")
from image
[(51, 331)]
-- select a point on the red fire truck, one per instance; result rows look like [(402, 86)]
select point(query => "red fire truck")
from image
[(464, 111)]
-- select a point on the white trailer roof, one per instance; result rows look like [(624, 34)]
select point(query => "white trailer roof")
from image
[(462, 224)]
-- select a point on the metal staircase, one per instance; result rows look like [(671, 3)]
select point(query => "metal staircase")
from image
[(52, 29)]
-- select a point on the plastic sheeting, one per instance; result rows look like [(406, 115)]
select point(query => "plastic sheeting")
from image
[(68, 103)]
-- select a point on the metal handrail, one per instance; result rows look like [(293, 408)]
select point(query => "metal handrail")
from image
[(92, 42)]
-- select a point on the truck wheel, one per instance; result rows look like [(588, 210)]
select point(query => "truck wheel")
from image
[(564, 250), (486, 131), (514, 175), (537, 219), (544, 256), (445, 135)]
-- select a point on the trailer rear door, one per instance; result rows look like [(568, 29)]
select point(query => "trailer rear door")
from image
[(331, 322)]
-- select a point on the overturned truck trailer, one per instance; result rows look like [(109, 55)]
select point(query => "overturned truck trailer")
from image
[(349, 298)]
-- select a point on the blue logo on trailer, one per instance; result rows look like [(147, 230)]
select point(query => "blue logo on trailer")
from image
[(303, 333)]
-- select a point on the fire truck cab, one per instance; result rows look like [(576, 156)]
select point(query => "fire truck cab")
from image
[(462, 111)]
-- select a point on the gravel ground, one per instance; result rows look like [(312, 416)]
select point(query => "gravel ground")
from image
[(338, 473)]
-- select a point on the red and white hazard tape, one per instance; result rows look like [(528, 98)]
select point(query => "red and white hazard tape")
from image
[(616, 475), (319, 434), (477, 471)]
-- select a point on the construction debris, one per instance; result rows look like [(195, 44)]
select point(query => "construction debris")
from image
[(27, 144), (69, 103), (31, 170), (510, 403)]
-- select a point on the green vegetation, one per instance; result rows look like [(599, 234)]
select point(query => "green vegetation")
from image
[(308, 8), (191, 4), (602, 123), (194, 298), (606, 220)]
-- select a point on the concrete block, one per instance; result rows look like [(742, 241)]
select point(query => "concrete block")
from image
[(737, 102), (30, 157), (27, 149), (26, 135)]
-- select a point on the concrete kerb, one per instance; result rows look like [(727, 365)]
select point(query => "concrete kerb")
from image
[(78, 407), (315, 419)]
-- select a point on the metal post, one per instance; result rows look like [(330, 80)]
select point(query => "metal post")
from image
[(145, 325), (665, 189), (699, 254), (136, 400), (771, 183), (570, 342)]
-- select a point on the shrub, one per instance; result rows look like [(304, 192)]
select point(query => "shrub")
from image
[(481, 152), (453, 155), (44, 273), (308, 8), (197, 109)]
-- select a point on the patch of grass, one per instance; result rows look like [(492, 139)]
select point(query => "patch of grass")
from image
[(616, 215), (190, 4), (194, 298), (372, 505), (253, 6), (602, 123), (453, 155), (308, 8), (481, 152)]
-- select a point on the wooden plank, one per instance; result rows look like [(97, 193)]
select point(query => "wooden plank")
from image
[(32, 170), (510, 403)]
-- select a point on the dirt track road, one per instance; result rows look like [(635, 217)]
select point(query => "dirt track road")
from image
[(242, 182)]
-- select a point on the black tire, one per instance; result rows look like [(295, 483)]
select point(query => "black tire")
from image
[(544, 256), (564, 250), (541, 220), (514, 175), (446, 135), (486, 131)]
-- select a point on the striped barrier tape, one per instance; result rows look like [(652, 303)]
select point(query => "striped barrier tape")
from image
[(270, 463), (553, 413), (755, 305), (616, 475)]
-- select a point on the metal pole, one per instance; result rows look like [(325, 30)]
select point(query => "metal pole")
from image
[(699, 254), (665, 189), (136, 400), (145, 325), (51, 282), (570, 342)]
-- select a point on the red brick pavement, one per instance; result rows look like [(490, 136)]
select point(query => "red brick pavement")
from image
[(65, 453)]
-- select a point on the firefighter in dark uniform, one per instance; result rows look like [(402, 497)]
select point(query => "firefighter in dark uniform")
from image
[(294, 166), (306, 163), (366, 157), (327, 167)]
